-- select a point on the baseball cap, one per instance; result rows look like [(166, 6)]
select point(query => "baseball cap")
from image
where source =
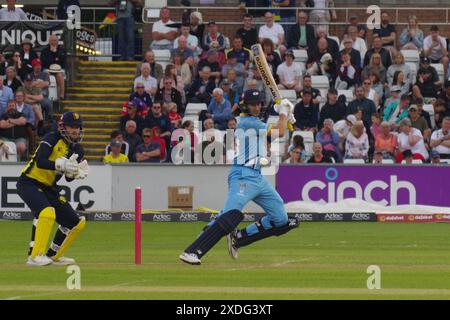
[(425, 60), (116, 143), (225, 82), (253, 97), (413, 107), (28, 77), (351, 118), (396, 89), (211, 23), (435, 154), (36, 62), (290, 53)]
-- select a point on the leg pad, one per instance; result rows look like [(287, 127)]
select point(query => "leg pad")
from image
[(70, 238), (44, 227)]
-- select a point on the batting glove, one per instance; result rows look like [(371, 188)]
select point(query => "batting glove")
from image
[(292, 119), (285, 107)]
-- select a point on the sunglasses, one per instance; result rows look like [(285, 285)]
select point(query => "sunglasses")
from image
[(147, 136), (140, 88)]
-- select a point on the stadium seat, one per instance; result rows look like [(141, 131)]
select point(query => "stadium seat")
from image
[(388, 161), (53, 89), (291, 95), (411, 56), (320, 82), (12, 155), (354, 161), (302, 66), (195, 108), (430, 109), (413, 68), (162, 57), (440, 70), (347, 93), (415, 161), (308, 140), (301, 55), (445, 161)]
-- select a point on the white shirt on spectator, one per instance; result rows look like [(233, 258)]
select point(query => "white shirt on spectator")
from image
[(149, 83), (160, 27), (13, 15), (436, 52), (271, 33), (290, 73), (438, 134), (419, 147)]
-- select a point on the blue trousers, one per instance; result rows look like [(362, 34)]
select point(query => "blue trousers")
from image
[(126, 38), (245, 185)]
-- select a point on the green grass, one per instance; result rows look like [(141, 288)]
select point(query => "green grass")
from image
[(316, 261)]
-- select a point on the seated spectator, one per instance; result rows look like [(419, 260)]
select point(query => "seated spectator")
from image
[(273, 31), (399, 65), (384, 55), (209, 131), (6, 94), (435, 48), (188, 141), (347, 75), (440, 139), (445, 95), (395, 113), (148, 150), (301, 35), (440, 112), (115, 156), (231, 96), (162, 35), (419, 122), (333, 46), (192, 41), (329, 139), (306, 113), (212, 63), (183, 49), (411, 37), (427, 83), (157, 119), (117, 135), (131, 112), (234, 83), (150, 83), (370, 92), (297, 143), (213, 151), (378, 158), (333, 108), (376, 67), (386, 142), (435, 157), (318, 156), (174, 117), (248, 33), (213, 35), (13, 128), (53, 58), (168, 94), (15, 61), (343, 127), (361, 27), (307, 85), (355, 55), (386, 33), (400, 83), (33, 97), (202, 87), (133, 139), (407, 157), (142, 99), (197, 28), (4, 64), (295, 156), (41, 80), (184, 70), (156, 72), (272, 57), (219, 110), (11, 79), (27, 55), (375, 128), (393, 97), (357, 143), (254, 81), (156, 137), (422, 112), (239, 52), (177, 83), (367, 105), (358, 44), (321, 61), (290, 73), (411, 138), (238, 68)]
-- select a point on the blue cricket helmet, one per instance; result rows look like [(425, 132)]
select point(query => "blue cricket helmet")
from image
[(71, 119)]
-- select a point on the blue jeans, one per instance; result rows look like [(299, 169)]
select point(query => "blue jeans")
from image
[(126, 38)]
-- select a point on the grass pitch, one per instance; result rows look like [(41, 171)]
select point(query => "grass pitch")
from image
[(316, 261)]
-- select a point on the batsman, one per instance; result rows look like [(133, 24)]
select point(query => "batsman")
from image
[(58, 154), (245, 184)]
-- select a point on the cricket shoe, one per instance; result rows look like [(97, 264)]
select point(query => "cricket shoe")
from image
[(39, 261), (63, 261), (231, 241), (190, 258)]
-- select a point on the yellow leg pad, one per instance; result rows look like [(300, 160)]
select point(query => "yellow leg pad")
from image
[(43, 229), (73, 234)]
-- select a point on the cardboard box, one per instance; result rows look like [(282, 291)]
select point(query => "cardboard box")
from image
[(180, 197)]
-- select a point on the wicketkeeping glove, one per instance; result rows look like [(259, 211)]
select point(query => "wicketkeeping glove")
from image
[(67, 166), (83, 170)]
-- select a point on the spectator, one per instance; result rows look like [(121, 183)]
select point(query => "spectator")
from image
[(150, 83), (247, 33), (440, 112), (183, 70), (329, 139), (231, 96), (400, 65), (156, 69), (13, 127), (400, 83), (156, 137), (419, 122), (427, 83), (395, 113), (410, 138), (63, 5), (370, 92), (235, 85), (375, 66), (189, 141), (183, 49), (191, 40), (347, 75), (435, 48), (333, 108), (284, 15), (343, 127), (422, 112), (25, 109), (33, 97), (168, 94), (53, 59), (361, 28), (355, 55), (306, 113), (387, 33), (11, 13), (27, 55), (148, 150), (386, 142), (157, 119), (11, 79), (213, 35), (307, 85), (272, 57), (290, 73), (238, 68), (174, 117), (202, 87), (435, 157), (301, 35), (219, 109), (15, 61), (322, 62), (3, 65), (411, 37), (142, 99), (408, 157), (318, 156), (211, 61), (357, 143), (162, 35), (440, 139), (273, 31), (359, 44), (133, 139), (378, 158), (132, 114), (321, 15), (6, 94), (384, 55), (393, 97), (295, 156), (117, 135), (367, 106), (197, 28), (209, 131), (242, 54), (445, 95), (375, 128), (115, 156), (297, 143), (41, 80), (333, 46)]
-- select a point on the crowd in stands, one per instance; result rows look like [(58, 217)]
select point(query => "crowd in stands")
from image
[(376, 106)]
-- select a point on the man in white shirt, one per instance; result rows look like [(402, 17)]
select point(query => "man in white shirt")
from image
[(150, 83), (11, 13), (290, 73), (272, 30), (435, 47), (162, 35), (411, 138), (192, 41), (440, 139)]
